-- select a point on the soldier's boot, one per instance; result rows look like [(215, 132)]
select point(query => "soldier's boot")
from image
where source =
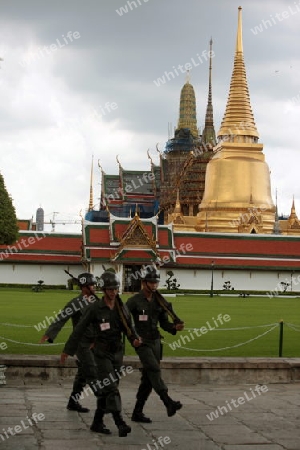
[(123, 428), (171, 405), (138, 415), (98, 426), (74, 405)]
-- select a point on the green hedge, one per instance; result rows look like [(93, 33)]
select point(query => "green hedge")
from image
[(163, 291), (223, 291), (29, 286)]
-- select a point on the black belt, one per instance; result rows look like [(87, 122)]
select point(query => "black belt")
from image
[(111, 347), (151, 336)]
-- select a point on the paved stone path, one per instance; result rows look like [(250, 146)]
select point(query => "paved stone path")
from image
[(265, 418)]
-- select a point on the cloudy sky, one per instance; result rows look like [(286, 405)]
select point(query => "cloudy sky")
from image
[(80, 78)]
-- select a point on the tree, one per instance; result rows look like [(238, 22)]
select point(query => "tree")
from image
[(8, 219)]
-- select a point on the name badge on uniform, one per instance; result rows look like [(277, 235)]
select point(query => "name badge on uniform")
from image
[(143, 317), (104, 326)]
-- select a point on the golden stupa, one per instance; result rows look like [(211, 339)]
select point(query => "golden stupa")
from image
[(237, 195)]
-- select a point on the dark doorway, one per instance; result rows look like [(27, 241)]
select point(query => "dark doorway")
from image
[(132, 282)]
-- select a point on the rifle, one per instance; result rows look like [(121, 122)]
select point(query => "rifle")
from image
[(123, 313), (126, 319), (168, 307)]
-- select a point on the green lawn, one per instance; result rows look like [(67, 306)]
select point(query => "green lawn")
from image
[(23, 309)]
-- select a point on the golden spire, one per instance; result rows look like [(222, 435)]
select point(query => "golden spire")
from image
[(239, 37), (177, 208), (238, 119), (293, 220), (209, 135), (293, 214), (237, 179), (91, 204), (187, 111), (188, 78), (177, 214)]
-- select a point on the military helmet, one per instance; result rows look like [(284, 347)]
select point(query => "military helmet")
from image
[(109, 280), (150, 274), (86, 279)]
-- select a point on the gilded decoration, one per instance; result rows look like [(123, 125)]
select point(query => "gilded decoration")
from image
[(237, 176), (136, 237)]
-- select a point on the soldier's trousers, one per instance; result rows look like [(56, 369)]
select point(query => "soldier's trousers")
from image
[(149, 354), (107, 384), (86, 364)]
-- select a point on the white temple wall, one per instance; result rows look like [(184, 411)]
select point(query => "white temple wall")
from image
[(252, 280), (51, 274)]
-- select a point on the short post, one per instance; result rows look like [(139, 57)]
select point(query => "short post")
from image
[(280, 337), (212, 279)]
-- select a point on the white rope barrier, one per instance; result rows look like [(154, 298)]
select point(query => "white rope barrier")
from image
[(177, 344), (23, 326), (223, 348), (28, 343), (15, 325), (292, 326), (235, 329)]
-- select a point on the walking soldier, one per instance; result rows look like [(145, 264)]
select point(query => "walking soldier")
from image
[(110, 318), (149, 309), (85, 362)]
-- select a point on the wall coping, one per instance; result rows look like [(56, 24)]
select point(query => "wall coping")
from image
[(167, 362), (185, 371)]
